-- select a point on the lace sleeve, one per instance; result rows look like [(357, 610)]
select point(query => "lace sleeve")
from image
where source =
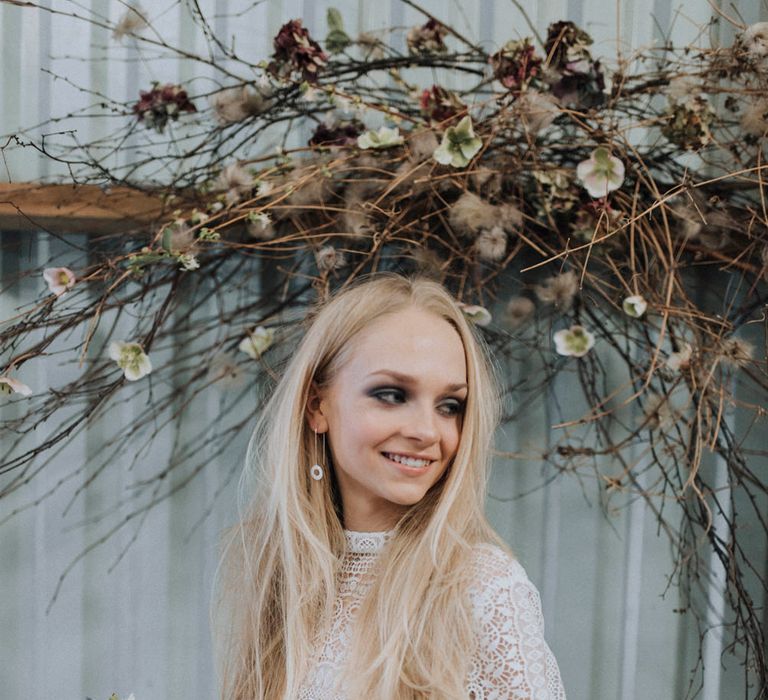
[(511, 658)]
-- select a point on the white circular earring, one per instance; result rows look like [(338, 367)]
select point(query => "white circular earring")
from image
[(316, 471)]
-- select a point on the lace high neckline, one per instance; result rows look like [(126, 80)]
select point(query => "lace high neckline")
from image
[(367, 542)]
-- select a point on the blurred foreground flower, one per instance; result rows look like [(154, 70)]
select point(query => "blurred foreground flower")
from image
[(634, 306), (681, 359), (132, 22), (477, 314), (385, 137), (131, 358), (575, 341), (427, 39), (160, 104), (601, 173), (59, 279), (257, 342), (459, 145), (13, 386)]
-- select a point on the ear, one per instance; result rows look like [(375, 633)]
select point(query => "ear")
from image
[(315, 415)]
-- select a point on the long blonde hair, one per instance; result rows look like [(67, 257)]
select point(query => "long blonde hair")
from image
[(280, 562)]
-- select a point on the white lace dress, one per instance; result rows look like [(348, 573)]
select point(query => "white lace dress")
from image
[(511, 659)]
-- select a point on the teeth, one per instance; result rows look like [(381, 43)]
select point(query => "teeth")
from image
[(408, 461)]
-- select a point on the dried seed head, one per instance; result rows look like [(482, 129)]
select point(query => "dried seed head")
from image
[(559, 290)]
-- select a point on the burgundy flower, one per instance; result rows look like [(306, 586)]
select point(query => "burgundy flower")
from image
[(296, 51), (440, 105), (575, 77), (516, 64), (427, 39), (342, 134), (163, 102)]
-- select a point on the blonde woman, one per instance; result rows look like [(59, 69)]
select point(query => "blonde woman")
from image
[(363, 566)]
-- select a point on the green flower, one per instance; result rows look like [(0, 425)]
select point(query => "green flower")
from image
[(479, 315), (459, 145), (576, 341), (601, 173), (634, 306), (385, 137), (131, 358), (257, 342)]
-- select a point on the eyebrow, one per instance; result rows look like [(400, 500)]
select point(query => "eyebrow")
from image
[(407, 379)]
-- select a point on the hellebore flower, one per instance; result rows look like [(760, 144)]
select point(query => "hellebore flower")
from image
[(601, 173), (385, 137), (59, 279), (634, 306), (131, 358), (575, 341), (13, 386), (257, 342), (459, 145), (479, 315)]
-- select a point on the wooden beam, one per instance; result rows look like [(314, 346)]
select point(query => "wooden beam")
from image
[(77, 208)]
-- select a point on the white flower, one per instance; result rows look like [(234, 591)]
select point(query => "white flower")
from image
[(680, 359), (59, 279), (479, 315), (131, 358), (132, 22), (257, 342), (385, 137), (492, 244), (188, 261), (13, 386), (575, 341), (601, 173), (634, 306), (459, 145), (260, 225), (263, 188)]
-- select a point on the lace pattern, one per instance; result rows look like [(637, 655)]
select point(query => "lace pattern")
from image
[(511, 659)]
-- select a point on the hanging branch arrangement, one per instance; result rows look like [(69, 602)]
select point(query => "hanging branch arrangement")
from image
[(579, 210)]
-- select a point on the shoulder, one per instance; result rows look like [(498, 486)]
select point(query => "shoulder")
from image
[(501, 587)]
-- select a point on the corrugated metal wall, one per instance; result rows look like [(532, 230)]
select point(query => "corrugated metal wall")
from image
[(135, 619)]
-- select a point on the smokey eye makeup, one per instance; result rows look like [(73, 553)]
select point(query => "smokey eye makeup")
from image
[(395, 396)]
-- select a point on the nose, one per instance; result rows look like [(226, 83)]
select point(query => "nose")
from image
[(422, 424)]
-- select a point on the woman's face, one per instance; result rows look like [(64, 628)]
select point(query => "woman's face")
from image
[(393, 415)]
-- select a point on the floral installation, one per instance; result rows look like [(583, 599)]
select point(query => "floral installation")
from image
[(539, 181)]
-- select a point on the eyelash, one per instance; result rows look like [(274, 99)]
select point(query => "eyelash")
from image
[(456, 406)]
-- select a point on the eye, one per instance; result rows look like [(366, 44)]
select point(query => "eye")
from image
[(389, 395), (452, 407)]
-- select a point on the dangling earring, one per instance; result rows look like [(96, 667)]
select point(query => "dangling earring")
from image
[(316, 470)]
